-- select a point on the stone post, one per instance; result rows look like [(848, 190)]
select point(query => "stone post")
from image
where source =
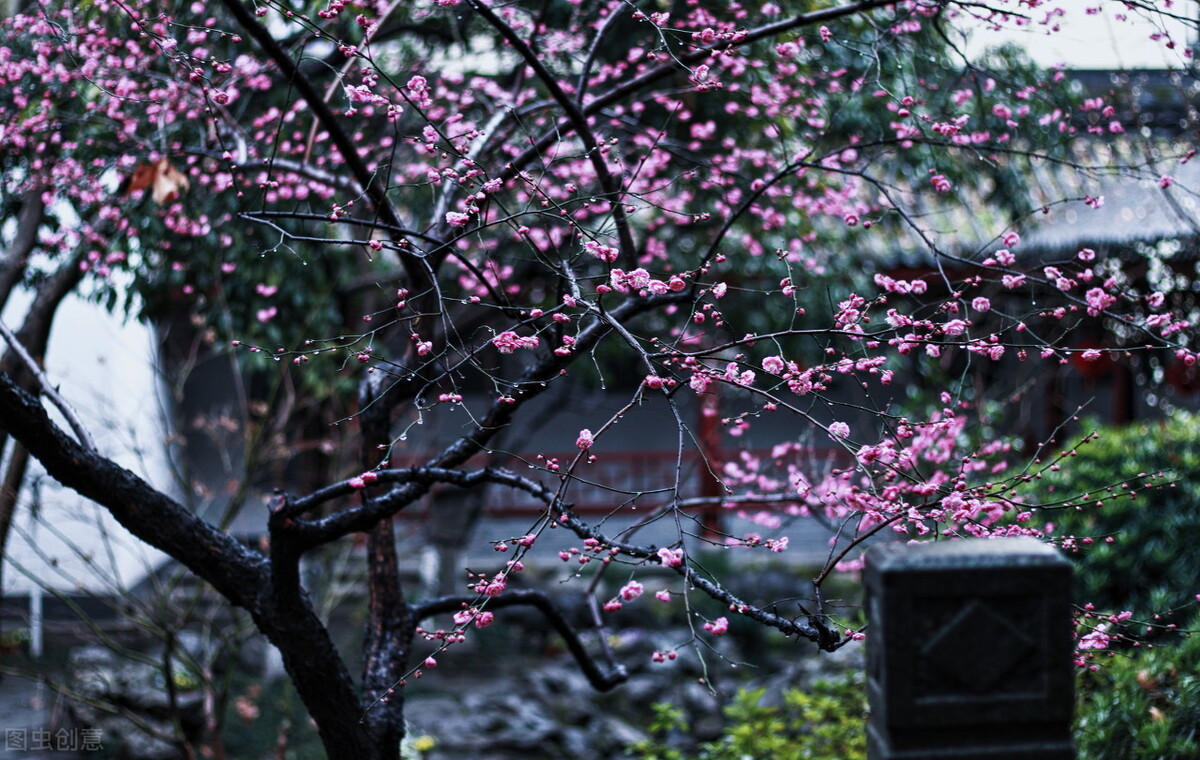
[(969, 651)]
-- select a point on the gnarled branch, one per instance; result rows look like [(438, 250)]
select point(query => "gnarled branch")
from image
[(601, 679), (235, 571)]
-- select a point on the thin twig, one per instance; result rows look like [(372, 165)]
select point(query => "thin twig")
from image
[(85, 439)]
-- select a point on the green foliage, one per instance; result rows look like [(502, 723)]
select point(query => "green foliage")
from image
[(1112, 487), (1142, 705), (13, 641), (827, 720)]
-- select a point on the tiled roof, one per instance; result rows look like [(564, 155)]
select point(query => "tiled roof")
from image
[(1124, 170), (1135, 209)]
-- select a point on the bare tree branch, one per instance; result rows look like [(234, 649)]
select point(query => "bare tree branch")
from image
[(601, 679), (612, 191), (47, 389), (681, 62), (236, 571), (370, 181)]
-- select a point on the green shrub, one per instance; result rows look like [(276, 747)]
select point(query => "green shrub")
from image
[(1142, 704), (1152, 520), (1139, 704), (827, 720), (1139, 485)]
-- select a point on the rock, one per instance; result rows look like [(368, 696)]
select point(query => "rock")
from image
[(818, 666), (577, 742), (138, 691), (564, 691), (549, 711), (608, 736), (518, 723), (142, 746)]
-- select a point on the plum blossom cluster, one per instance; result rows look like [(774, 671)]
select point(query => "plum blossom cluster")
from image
[(593, 549), (919, 481), (1098, 632), (508, 342), (629, 592), (718, 627), (640, 281)]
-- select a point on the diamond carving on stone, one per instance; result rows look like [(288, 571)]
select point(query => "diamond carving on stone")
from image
[(977, 648)]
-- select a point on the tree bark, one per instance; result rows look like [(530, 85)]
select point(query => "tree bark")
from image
[(390, 627), (29, 221), (317, 671), (9, 491)]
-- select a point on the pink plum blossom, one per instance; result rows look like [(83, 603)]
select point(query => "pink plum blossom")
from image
[(718, 627), (508, 342), (1098, 300), (671, 557)]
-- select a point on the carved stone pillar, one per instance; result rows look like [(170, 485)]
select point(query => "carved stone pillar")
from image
[(969, 651)]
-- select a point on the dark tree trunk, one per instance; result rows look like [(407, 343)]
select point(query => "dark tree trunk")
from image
[(10, 490), (319, 675), (269, 591), (389, 629)]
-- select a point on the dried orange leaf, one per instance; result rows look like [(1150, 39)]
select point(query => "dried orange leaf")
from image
[(142, 178), (169, 182)]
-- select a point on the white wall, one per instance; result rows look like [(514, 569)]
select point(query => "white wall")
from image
[(1090, 41), (105, 370)]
